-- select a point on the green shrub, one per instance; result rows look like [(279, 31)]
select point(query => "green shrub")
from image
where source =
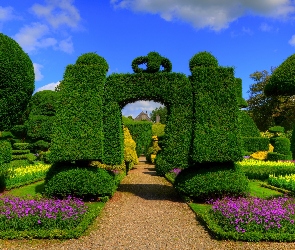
[(17, 82), (211, 180), (40, 145), (254, 144), (30, 157), (202, 59), (141, 133), (273, 156), (83, 182), (5, 152), (276, 129), (241, 101), (21, 146), (260, 170), (20, 152), (158, 129)]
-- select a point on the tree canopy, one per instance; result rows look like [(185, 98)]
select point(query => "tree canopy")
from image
[(268, 111), (162, 112)]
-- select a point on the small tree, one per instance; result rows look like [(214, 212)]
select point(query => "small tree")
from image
[(162, 112)]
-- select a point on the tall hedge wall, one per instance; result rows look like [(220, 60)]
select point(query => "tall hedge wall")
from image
[(17, 82), (172, 89), (202, 124), (77, 131), (216, 133), (141, 133)]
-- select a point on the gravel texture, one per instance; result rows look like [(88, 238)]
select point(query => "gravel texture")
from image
[(145, 213)]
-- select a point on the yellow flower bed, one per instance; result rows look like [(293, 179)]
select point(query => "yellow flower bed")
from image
[(262, 155)]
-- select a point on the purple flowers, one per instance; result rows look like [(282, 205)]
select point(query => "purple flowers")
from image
[(255, 214), (19, 214), (176, 171)]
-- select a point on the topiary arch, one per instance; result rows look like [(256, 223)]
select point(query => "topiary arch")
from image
[(202, 124)]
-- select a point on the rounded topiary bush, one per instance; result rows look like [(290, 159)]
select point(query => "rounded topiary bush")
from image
[(92, 59), (17, 82), (212, 180), (83, 182), (203, 59)]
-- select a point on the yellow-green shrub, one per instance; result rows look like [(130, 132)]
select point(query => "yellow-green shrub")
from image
[(158, 129), (262, 155), (129, 148)]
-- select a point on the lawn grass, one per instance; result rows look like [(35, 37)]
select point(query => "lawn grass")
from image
[(259, 191), (31, 190)]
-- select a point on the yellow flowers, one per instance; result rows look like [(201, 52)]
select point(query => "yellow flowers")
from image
[(257, 163), (28, 170), (286, 178), (129, 147)]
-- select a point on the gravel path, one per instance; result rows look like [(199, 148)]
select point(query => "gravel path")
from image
[(145, 213)]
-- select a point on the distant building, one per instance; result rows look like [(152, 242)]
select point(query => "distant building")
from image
[(142, 117)]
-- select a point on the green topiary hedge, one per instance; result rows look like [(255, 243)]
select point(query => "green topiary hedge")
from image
[(141, 133), (16, 82), (5, 152), (202, 124), (254, 144), (78, 126), (84, 182), (212, 180), (216, 132)]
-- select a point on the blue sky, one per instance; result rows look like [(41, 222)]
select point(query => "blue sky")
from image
[(249, 35)]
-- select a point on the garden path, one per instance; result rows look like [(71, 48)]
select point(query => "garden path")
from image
[(144, 213)]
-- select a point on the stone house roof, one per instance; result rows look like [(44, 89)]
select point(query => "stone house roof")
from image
[(142, 116)]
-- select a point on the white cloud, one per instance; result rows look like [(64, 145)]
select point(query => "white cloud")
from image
[(58, 13), (135, 108), (6, 13), (66, 45), (30, 37), (50, 86), (292, 41), (265, 27), (37, 70), (215, 14)]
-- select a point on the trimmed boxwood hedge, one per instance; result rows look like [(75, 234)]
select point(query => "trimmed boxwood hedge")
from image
[(141, 133), (202, 123), (17, 82), (84, 182)]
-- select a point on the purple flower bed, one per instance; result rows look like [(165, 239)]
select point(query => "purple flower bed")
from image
[(22, 214), (253, 214), (176, 171)]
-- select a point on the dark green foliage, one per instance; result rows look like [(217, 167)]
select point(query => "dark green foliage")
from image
[(282, 145), (141, 133), (273, 156), (162, 112), (212, 180), (6, 135), (216, 129), (254, 144), (78, 127), (202, 59), (16, 82), (19, 131), (260, 172), (276, 129), (282, 81), (241, 101), (21, 145), (248, 127), (39, 146), (39, 127), (5, 152), (84, 182)]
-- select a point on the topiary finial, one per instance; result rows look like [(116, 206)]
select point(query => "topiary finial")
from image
[(92, 59), (202, 59), (153, 63)]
